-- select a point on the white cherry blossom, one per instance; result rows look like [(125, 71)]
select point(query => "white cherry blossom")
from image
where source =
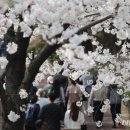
[(107, 102), (23, 94), (118, 118), (82, 88), (118, 43), (13, 117), (120, 91), (90, 109), (23, 108), (79, 103), (12, 48), (98, 123), (105, 108), (86, 94)]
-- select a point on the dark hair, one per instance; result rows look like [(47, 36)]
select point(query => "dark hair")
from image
[(113, 86), (52, 96), (59, 81), (56, 87), (80, 82), (73, 82), (74, 111), (94, 80), (33, 98)]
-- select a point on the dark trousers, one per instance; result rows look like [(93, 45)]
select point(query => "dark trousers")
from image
[(29, 128), (115, 109), (97, 114)]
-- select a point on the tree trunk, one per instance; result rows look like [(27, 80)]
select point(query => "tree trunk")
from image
[(19, 125), (14, 75)]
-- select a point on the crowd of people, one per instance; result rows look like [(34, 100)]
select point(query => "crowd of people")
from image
[(61, 103)]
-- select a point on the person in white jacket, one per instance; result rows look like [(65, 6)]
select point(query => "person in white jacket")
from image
[(74, 118)]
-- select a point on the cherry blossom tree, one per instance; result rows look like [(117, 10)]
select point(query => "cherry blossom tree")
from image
[(63, 26)]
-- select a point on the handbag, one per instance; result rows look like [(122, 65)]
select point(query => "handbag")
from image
[(84, 127)]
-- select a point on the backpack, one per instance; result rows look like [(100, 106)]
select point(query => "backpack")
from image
[(31, 114)]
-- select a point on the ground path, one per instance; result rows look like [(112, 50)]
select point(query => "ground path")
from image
[(107, 122)]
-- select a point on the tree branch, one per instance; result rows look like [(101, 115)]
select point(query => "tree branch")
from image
[(34, 66), (93, 23), (46, 51)]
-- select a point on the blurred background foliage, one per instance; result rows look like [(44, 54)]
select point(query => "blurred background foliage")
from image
[(36, 45)]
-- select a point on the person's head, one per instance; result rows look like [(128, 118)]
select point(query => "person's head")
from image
[(56, 87), (74, 111), (58, 82), (40, 92), (113, 86), (73, 82), (33, 98), (51, 97), (50, 80)]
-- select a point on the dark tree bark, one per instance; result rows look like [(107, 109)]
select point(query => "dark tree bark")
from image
[(14, 75)]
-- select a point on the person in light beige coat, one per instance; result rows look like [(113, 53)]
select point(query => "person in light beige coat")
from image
[(96, 100), (73, 93)]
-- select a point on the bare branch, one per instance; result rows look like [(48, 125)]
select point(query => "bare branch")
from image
[(88, 26), (93, 23)]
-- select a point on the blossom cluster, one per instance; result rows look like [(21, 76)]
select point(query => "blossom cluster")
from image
[(13, 117), (23, 94)]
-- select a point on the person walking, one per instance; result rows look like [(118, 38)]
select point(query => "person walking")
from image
[(87, 82), (115, 102), (31, 114), (96, 99), (46, 88), (74, 118), (42, 100), (59, 89), (50, 115), (73, 93)]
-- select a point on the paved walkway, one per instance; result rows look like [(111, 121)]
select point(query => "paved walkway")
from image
[(107, 124)]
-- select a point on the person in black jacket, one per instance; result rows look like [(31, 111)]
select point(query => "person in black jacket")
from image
[(115, 102), (59, 87), (50, 115)]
